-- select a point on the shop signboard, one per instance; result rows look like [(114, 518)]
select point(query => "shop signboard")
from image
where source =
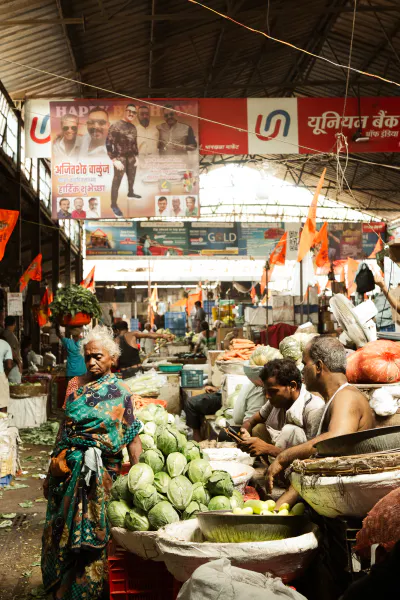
[(14, 304), (115, 158), (162, 239), (213, 239), (107, 238), (371, 231)]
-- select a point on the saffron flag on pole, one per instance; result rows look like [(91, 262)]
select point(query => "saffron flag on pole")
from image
[(8, 219), (278, 255), (34, 272), (378, 248), (307, 236), (352, 268), (88, 282), (44, 308), (322, 238)]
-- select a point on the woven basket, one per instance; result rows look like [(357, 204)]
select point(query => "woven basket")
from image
[(27, 390), (362, 464)]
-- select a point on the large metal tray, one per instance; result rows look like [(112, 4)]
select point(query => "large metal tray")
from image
[(363, 442), (222, 526)]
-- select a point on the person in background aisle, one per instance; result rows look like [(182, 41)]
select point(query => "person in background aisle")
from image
[(232, 335), (6, 364), (148, 344), (392, 298), (203, 342), (290, 416), (129, 360), (8, 334), (26, 348), (199, 316), (76, 366), (384, 318)]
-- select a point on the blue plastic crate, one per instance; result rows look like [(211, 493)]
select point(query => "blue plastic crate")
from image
[(208, 306), (134, 324), (192, 378), (176, 322), (6, 480)]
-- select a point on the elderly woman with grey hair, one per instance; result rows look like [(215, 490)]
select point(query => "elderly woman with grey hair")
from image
[(99, 422)]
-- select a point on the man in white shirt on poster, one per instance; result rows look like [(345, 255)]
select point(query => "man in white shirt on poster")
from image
[(93, 211)]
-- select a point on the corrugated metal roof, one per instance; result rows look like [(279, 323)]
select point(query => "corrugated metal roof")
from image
[(196, 53)]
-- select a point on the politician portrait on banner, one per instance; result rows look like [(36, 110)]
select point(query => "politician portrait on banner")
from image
[(120, 158)]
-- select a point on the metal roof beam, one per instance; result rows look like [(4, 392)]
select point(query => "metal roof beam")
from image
[(78, 76)]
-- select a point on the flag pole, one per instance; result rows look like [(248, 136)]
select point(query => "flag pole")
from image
[(301, 293), (267, 268)]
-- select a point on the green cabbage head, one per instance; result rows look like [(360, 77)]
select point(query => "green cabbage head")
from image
[(162, 514), (176, 464), (200, 493), (116, 512), (136, 520), (236, 500), (220, 484), (154, 458), (160, 416), (168, 440), (180, 492), (147, 441), (192, 509), (139, 476), (146, 497), (219, 503), (199, 470), (150, 428), (290, 348), (120, 490), (192, 451), (161, 482)]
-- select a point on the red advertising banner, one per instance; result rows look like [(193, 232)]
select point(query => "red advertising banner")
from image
[(321, 119), (232, 126)]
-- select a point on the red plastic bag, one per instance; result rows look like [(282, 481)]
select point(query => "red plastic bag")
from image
[(379, 362)]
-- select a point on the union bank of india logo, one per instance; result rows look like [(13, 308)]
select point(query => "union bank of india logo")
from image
[(38, 130), (275, 123)]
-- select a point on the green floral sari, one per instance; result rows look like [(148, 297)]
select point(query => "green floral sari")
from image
[(98, 415)]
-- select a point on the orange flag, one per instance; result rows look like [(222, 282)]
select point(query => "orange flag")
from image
[(88, 282), (278, 255), (34, 272), (322, 238), (263, 282), (253, 293), (378, 247), (8, 219), (352, 267), (44, 308), (309, 230)]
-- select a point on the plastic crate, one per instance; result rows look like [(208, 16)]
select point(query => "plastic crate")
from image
[(6, 480), (132, 578), (134, 324), (208, 305), (175, 322), (192, 378)]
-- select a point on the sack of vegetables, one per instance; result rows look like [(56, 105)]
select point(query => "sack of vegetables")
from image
[(74, 306), (171, 482)]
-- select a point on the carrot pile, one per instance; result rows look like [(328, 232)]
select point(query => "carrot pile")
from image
[(239, 350)]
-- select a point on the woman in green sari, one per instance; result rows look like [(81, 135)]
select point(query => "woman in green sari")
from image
[(99, 422)]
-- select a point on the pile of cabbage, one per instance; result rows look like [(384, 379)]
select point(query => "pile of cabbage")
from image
[(292, 346), (262, 355), (172, 481)]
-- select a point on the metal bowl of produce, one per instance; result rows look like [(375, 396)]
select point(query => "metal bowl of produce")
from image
[(363, 442), (252, 373), (222, 526)]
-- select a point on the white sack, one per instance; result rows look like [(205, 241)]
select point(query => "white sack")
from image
[(385, 400), (27, 412), (219, 579), (141, 543), (183, 550)]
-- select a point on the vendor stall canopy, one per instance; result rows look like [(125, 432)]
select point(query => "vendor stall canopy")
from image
[(177, 48)]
